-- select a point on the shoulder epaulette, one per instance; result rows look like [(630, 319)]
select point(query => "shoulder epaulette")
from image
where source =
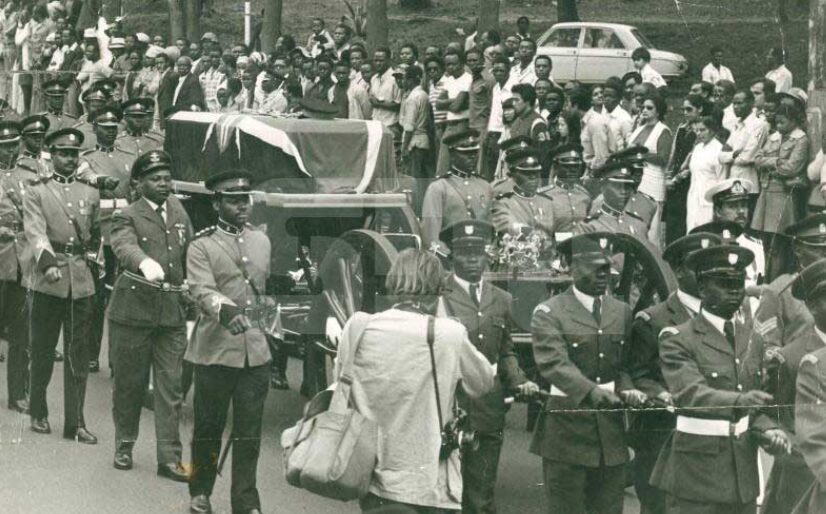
[(634, 215), (205, 232), (25, 166), (549, 187), (810, 358), (87, 152), (643, 316), (542, 307), (39, 180), (124, 150), (582, 189), (668, 331), (593, 216), (504, 195)]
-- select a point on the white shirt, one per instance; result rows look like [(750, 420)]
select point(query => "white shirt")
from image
[(455, 86), (465, 285), (519, 75), (713, 74), (155, 206), (747, 137), (621, 124), (178, 89), (652, 76), (498, 95), (729, 118), (586, 300), (782, 78), (690, 302), (716, 321)]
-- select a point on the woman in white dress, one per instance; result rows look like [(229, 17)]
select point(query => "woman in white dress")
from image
[(705, 170)]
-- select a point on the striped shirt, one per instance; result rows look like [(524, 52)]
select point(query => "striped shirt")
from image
[(436, 88)]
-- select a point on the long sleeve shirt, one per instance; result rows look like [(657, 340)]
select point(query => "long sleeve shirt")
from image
[(746, 139)]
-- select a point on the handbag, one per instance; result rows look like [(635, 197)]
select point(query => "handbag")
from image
[(332, 451)]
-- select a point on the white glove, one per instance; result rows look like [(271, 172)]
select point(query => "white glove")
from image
[(333, 330), (152, 270)]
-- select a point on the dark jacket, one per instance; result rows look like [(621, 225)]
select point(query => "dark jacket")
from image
[(166, 90), (575, 353), (810, 426), (138, 233), (191, 95)]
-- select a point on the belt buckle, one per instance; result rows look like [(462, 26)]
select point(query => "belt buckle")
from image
[(69, 248), (166, 287)]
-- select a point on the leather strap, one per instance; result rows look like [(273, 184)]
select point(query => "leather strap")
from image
[(431, 338)]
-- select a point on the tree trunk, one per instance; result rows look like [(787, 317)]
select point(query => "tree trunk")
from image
[(376, 23), (817, 80), (488, 15), (176, 20), (271, 25), (192, 14), (566, 11)]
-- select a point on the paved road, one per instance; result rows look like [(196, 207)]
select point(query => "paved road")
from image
[(46, 474)]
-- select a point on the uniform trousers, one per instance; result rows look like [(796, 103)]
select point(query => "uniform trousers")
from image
[(14, 318), (675, 505), (103, 288), (139, 349), (652, 499), (479, 469), (50, 314), (215, 387), (575, 489)]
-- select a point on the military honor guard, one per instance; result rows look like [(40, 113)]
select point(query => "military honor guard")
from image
[(227, 268), (15, 267), (55, 95), (457, 195), (580, 340), (138, 138), (485, 311), (524, 210), (809, 411), (147, 312), (504, 184), (618, 185), (94, 99), (570, 200), (34, 129), (62, 223), (650, 428), (709, 462)]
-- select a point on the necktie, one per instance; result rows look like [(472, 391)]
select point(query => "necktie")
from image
[(474, 289), (160, 211), (728, 331), (597, 311)]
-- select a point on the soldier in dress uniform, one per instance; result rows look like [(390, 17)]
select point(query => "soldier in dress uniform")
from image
[(639, 205), (709, 462), (570, 200), (649, 429), (457, 195), (579, 345), (94, 99), (523, 210), (485, 311), (15, 266), (110, 161), (227, 268), (62, 223), (809, 410), (137, 138), (618, 185), (34, 131), (505, 183), (55, 93)]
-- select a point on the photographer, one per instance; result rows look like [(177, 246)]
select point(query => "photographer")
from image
[(393, 384)]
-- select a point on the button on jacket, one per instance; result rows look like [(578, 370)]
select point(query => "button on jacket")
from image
[(575, 354), (213, 263), (49, 206), (139, 233)]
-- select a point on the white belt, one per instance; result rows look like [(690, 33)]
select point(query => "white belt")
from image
[(113, 203), (555, 391), (714, 427)]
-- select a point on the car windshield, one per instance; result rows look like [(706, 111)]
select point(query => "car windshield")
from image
[(642, 39)]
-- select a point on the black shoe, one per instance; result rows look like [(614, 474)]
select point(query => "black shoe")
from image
[(123, 460), (279, 381), (200, 504), (173, 471), (21, 406), (41, 426), (94, 366), (81, 435), (58, 357)]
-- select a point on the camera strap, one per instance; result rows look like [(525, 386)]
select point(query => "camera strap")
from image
[(431, 338)]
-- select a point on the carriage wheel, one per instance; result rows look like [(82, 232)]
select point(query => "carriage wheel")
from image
[(353, 272), (645, 279)]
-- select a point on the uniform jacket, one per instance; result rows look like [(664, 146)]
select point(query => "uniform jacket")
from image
[(625, 223), (90, 139), (60, 121), (116, 163), (47, 205), (574, 353), (780, 162), (512, 211), (780, 318), (705, 374), (810, 426), (570, 205), (138, 233), (15, 252), (488, 327), (139, 144), (214, 264), (452, 198)]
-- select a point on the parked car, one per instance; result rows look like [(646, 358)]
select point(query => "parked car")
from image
[(592, 52)]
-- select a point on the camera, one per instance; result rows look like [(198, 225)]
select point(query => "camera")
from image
[(456, 434)]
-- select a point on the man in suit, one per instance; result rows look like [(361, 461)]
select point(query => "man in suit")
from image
[(166, 90), (649, 429), (579, 342), (227, 268), (485, 311), (569, 198), (188, 94), (62, 224), (713, 371), (147, 312), (457, 195), (524, 210), (15, 266), (809, 414)]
